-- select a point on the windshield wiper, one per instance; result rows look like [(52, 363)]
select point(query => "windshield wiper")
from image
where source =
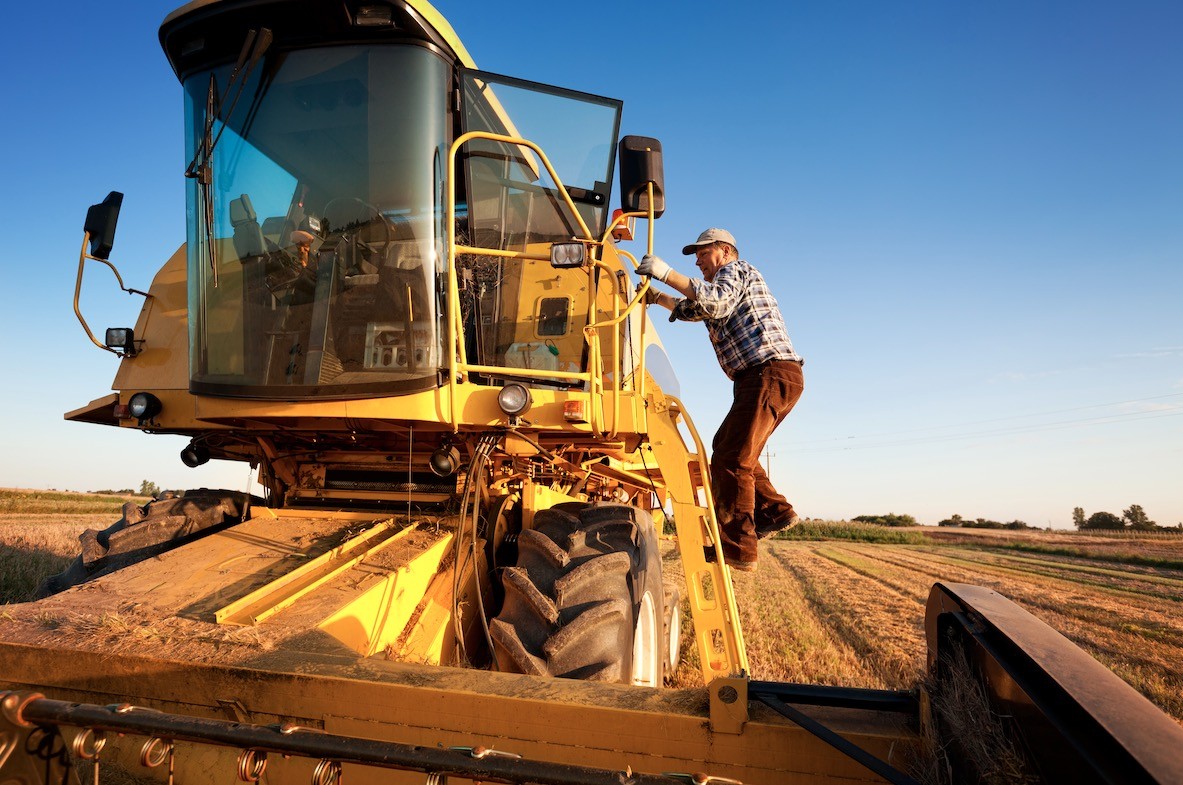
[(253, 49)]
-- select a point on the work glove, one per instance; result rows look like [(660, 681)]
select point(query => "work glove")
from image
[(680, 311), (654, 266)]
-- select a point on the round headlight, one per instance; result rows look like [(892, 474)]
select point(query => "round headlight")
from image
[(144, 406), (514, 399), (195, 455), (445, 461)]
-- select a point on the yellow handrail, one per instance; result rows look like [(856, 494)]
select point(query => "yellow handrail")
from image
[(457, 359), (642, 290), (458, 365)]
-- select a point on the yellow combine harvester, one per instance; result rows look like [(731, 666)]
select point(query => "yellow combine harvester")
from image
[(403, 300)]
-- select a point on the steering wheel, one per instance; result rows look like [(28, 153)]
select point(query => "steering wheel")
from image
[(356, 222)]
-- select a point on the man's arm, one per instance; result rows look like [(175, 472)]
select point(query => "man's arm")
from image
[(654, 297), (656, 267), (718, 298), (680, 282), (714, 299)]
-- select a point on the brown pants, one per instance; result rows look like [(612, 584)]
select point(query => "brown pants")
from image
[(744, 496)]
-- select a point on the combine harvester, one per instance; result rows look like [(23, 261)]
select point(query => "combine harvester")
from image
[(403, 300)]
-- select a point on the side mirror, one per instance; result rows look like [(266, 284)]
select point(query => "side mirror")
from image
[(640, 165), (101, 220), (100, 224)]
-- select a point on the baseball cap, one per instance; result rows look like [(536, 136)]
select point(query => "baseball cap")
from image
[(708, 237)]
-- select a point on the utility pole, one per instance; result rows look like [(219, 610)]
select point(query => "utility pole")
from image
[(768, 456)]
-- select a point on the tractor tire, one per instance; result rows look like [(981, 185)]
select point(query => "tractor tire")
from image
[(143, 532), (584, 599)]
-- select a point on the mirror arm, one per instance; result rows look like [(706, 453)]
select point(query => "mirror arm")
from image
[(649, 196), (82, 257)]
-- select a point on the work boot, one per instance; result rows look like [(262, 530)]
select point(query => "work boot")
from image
[(765, 531), (742, 566), (734, 562)]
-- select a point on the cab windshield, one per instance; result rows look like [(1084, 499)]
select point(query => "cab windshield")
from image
[(314, 250)]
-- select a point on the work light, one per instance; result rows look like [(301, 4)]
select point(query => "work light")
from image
[(121, 339), (563, 255), (514, 399), (144, 406), (195, 455)]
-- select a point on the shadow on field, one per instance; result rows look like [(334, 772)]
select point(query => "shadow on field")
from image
[(22, 569)]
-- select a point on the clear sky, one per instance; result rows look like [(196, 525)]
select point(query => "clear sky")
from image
[(971, 214)]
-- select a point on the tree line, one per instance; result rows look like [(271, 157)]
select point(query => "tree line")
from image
[(147, 488), (1133, 518), (982, 523), (892, 519)]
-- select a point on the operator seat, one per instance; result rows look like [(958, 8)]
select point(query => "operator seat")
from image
[(248, 235)]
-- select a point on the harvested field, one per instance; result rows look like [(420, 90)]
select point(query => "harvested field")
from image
[(852, 613), (33, 547)]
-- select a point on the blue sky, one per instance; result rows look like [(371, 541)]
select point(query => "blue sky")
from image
[(971, 213)]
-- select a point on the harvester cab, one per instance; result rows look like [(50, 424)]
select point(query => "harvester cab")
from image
[(401, 298), (402, 295)]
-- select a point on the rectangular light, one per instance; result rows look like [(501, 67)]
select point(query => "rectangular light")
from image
[(121, 339), (567, 255), (373, 16)]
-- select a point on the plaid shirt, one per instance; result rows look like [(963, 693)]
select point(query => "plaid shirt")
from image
[(742, 318)]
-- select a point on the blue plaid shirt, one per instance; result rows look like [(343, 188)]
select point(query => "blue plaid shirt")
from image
[(742, 318)]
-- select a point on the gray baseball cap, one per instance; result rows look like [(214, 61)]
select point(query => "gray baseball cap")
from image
[(708, 237)]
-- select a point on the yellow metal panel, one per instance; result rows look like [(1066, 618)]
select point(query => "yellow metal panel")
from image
[(609, 726), (97, 411), (432, 634), (378, 617), (539, 497), (441, 25), (163, 325), (712, 602), (432, 637), (283, 591)]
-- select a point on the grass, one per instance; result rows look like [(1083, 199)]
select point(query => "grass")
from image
[(25, 502), (853, 532)]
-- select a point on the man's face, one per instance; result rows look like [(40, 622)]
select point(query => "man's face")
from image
[(709, 259)]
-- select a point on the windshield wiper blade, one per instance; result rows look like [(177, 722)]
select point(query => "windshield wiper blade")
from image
[(254, 47), (262, 42)]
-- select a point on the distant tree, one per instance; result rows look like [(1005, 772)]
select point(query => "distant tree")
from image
[(1078, 517), (952, 520), (1104, 520), (1135, 516), (149, 488), (1017, 524), (891, 519)]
